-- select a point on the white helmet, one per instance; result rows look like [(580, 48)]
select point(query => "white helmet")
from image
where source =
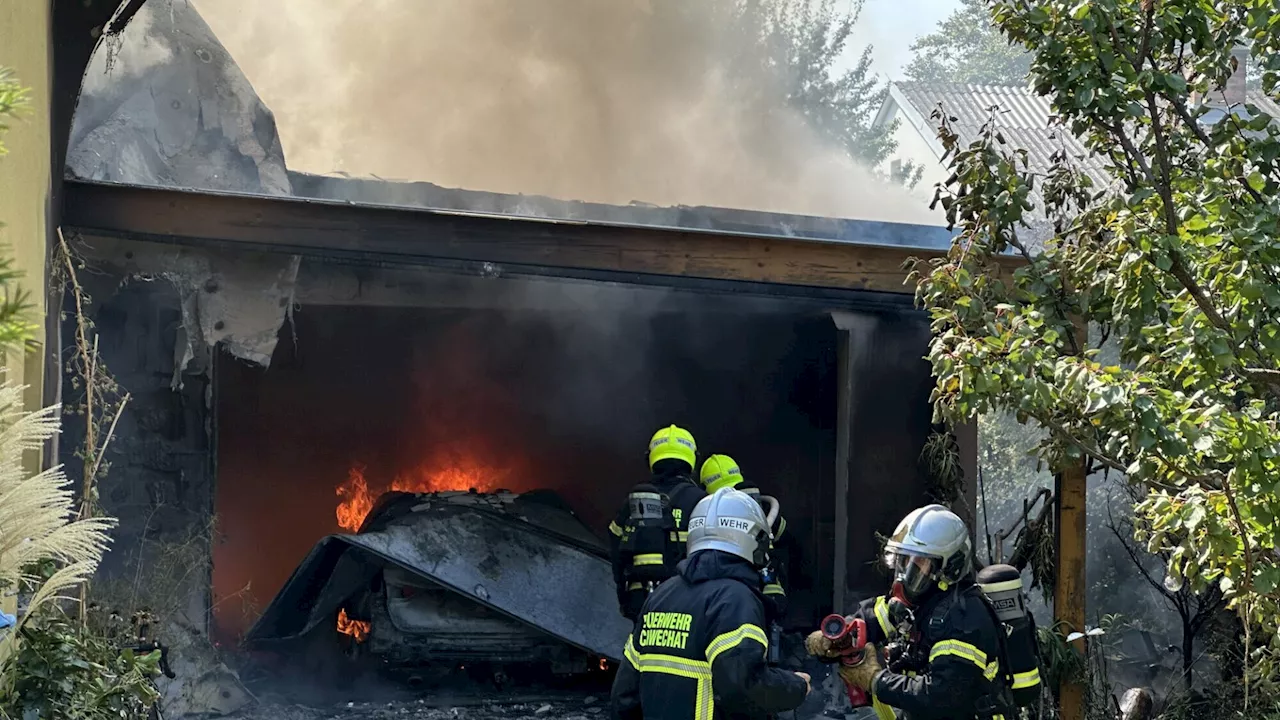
[(929, 547), (730, 521)]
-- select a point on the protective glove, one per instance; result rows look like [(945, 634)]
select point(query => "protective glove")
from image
[(819, 646), (863, 675)]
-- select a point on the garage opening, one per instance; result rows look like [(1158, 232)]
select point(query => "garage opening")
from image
[(338, 474), (548, 389)]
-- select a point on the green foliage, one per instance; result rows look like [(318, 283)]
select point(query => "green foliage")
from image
[(15, 306), (803, 40), (15, 303), (69, 670), (967, 48), (941, 456), (1176, 261), (1058, 660), (13, 101)]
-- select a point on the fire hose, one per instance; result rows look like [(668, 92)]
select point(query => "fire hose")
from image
[(848, 638)]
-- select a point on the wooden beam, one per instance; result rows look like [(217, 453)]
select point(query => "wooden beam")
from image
[(332, 228)]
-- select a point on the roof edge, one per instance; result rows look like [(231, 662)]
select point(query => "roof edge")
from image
[(917, 120)]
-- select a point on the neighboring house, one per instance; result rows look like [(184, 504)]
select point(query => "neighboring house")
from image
[(1023, 120)]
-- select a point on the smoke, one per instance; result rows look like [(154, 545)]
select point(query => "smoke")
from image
[(613, 102)]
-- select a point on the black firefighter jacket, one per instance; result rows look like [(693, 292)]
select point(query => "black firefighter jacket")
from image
[(698, 650), (951, 664), (684, 494)]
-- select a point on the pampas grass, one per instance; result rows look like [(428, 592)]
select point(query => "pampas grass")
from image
[(37, 515)]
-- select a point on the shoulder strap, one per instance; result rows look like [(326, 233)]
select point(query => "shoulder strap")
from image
[(1001, 634)]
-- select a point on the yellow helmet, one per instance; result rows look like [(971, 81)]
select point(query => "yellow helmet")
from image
[(720, 471), (673, 443)]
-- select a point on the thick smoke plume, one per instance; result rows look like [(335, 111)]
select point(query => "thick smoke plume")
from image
[(608, 101)]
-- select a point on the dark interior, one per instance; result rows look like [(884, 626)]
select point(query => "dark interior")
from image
[(458, 397)]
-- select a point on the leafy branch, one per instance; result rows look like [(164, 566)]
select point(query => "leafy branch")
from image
[(102, 401), (1173, 260)]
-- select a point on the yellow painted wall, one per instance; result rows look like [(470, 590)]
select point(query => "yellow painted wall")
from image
[(24, 188), (24, 172)]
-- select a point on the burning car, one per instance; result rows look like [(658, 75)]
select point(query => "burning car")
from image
[(456, 578)]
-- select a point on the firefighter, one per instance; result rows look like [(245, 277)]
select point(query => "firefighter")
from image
[(944, 648), (721, 471), (698, 650), (647, 536)]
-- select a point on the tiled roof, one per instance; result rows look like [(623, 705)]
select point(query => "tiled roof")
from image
[(1023, 119)]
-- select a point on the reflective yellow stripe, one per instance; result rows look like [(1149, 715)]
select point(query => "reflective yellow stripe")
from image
[(992, 668), (684, 536), (960, 649), (774, 589), (883, 712), (635, 586), (782, 527), (613, 528), (629, 652), (697, 670), (1026, 679), (648, 559), (882, 616), (734, 638)]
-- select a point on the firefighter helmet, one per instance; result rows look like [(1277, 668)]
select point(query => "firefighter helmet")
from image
[(673, 443), (930, 548), (730, 521), (719, 471)]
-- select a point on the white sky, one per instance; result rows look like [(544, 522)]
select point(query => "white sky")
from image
[(890, 26)]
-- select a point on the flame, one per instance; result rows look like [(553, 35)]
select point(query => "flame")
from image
[(461, 473), (356, 503), (357, 629)]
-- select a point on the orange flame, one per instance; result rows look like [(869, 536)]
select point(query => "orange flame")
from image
[(356, 502), (357, 629), (461, 474)]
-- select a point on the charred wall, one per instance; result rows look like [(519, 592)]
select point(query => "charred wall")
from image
[(891, 420), (160, 478)]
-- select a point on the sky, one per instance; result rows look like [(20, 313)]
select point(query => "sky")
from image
[(890, 26)]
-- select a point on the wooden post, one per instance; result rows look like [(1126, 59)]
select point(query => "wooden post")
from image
[(1069, 595), (1070, 486), (844, 432)]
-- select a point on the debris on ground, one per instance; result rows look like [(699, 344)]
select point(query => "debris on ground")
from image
[(425, 709)]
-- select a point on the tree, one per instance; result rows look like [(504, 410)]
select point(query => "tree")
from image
[(802, 40), (967, 48), (1196, 609), (1176, 260)]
